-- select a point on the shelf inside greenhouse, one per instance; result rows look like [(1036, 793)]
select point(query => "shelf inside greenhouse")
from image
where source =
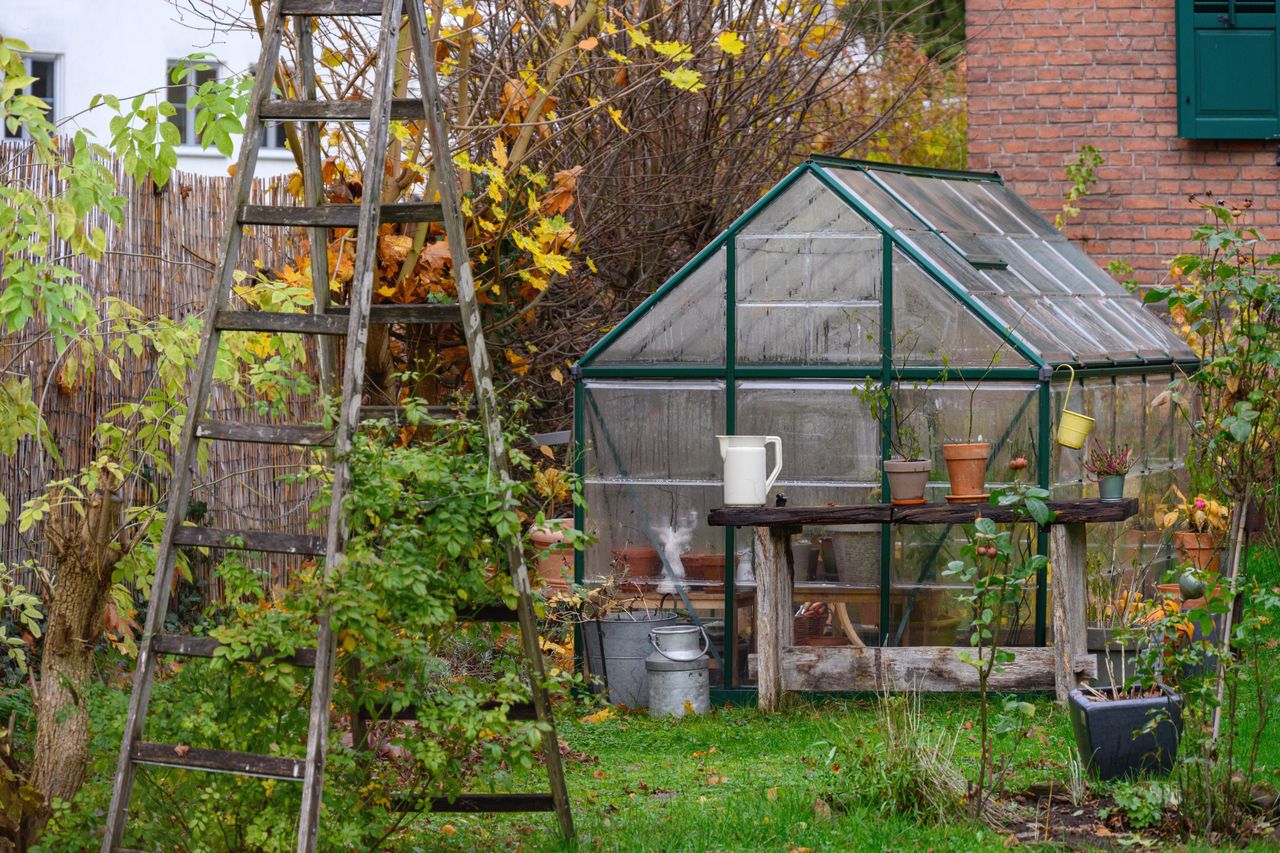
[(944, 291)]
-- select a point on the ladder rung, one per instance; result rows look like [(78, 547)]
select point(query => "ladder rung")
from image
[(475, 803), (334, 215), (185, 645), (402, 109), (397, 413), (332, 7), (250, 540), (218, 760), (515, 711), (266, 321), (304, 436), (490, 613), (422, 313)]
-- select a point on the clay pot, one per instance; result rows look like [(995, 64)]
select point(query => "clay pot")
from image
[(967, 470), (907, 480), (636, 563), (703, 567), (554, 556), (1202, 550)]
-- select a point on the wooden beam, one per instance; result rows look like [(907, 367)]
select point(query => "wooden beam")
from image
[(332, 7), (421, 313), (775, 625), (333, 215), (1066, 512), (218, 761), (250, 540), (284, 323), (285, 434), (924, 668), (1067, 554), (185, 645), (402, 109)]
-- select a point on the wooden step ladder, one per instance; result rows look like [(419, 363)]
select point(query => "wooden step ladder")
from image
[(352, 321)]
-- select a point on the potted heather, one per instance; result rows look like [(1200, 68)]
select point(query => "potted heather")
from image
[(1108, 466)]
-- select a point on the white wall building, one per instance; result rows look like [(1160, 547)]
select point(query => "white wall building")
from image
[(81, 48)]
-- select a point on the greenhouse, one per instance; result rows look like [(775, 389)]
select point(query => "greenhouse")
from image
[(848, 283)]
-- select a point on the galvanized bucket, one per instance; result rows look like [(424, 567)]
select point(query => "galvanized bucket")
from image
[(625, 638)]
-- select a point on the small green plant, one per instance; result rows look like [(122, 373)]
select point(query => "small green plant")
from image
[(997, 571), (1082, 174), (1122, 270), (1143, 803)]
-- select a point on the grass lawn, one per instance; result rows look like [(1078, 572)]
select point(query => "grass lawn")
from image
[(738, 780)]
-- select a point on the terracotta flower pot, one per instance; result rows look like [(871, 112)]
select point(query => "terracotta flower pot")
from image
[(967, 470), (636, 563), (554, 556), (1200, 549), (703, 567), (907, 480)]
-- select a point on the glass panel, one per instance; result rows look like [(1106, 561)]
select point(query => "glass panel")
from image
[(1067, 277), (943, 211), (653, 430), (1130, 424), (875, 198), (1003, 413), (687, 326), (820, 270), (1018, 207), (933, 327), (808, 207), (969, 278), (978, 195), (828, 436), (810, 334), (632, 522), (1160, 426)]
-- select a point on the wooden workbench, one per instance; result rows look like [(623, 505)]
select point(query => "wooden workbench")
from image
[(784, 666)]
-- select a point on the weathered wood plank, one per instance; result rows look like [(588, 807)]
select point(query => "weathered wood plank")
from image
[(774, 622), (333, 215), (250, 540), (270, 321), (396, 414), (475, 803), (184, 645), (217, 760), (1067, 553), (402, 109), (490, 613), (924, 668), (291, 435), (1066, 512), (420, 313), (332, 7)]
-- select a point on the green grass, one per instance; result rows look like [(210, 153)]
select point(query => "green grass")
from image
[(736, 780)]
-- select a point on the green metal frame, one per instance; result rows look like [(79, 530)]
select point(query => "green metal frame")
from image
[(1037, 369)]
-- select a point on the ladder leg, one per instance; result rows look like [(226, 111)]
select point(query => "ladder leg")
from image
[(180, 487), (313, 196), (486, 397), (352, 383)]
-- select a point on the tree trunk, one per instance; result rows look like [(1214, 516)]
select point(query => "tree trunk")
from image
[(84, 554)]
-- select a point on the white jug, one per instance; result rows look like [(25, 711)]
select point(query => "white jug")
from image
[(745, 480)]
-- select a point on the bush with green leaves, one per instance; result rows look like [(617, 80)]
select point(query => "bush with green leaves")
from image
[(427, 523)]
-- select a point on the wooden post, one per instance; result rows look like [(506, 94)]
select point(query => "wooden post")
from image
[(774, 625), (1067, 557)]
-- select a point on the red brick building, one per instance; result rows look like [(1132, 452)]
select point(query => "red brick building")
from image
[(1047, 77)]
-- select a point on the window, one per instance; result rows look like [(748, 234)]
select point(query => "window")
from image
[(1228, 69), (180, 94), (272, 131), (44, 69)]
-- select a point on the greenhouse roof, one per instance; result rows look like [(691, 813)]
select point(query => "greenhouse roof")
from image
[(996, 259)]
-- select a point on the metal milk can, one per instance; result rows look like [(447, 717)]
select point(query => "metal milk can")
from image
[(747, 479), (678, 671)]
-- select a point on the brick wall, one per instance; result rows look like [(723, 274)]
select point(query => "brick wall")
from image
[(1047, 77)]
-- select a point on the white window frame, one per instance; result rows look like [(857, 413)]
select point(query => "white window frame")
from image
[(187, 127), (54, 101)]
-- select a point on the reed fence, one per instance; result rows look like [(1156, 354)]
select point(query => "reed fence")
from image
[(160, 259)]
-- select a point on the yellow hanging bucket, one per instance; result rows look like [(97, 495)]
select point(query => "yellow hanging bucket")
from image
[(1073, 427)]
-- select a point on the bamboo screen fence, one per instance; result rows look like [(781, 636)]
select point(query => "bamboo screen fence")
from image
[(161, 260)]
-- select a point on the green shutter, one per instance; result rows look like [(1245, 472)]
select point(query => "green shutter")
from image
[(1228, 69)]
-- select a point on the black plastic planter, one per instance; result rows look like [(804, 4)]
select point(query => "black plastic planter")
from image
[(1111, 736)]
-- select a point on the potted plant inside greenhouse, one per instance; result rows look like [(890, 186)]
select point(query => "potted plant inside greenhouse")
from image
[(966, 456), (553, 538), (907, 468), (1199, 525), (1108, 466)]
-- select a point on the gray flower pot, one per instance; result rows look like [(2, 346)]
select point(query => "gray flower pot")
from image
[(1111, 488), (1112, 735)]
